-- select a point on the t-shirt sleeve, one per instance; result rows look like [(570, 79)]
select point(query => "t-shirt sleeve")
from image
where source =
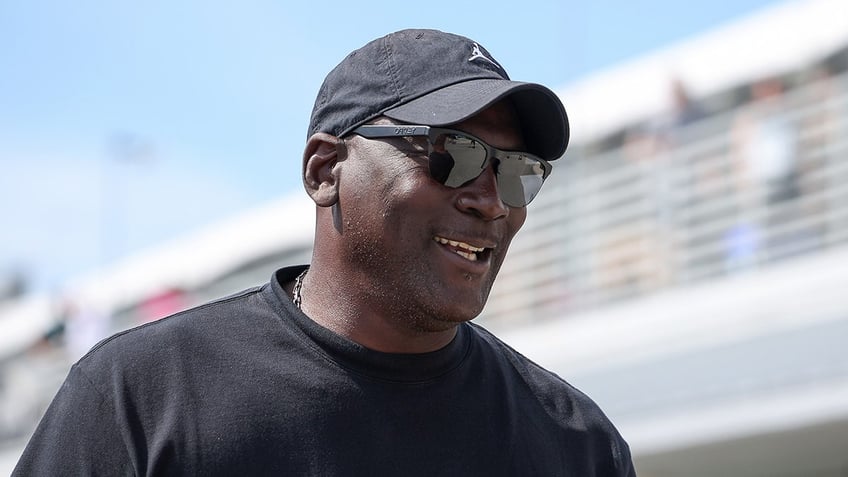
[(78, 435)]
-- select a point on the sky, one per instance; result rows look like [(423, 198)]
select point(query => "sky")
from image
[(126, 124)]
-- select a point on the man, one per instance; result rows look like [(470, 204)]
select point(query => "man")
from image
[(421, 158)]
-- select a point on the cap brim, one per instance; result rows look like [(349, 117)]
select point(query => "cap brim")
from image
[(542, 116)]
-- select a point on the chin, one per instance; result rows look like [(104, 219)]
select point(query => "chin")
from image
[(461, 314)]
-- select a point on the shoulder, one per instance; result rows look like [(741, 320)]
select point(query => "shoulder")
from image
[(184, 334), (549, 387), (568, 407)]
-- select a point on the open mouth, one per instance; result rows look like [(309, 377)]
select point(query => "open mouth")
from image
[(464, 250)]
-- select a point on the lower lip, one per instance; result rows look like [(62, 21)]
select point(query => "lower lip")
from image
[(477, 267)]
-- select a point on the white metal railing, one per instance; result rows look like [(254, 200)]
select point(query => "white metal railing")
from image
[(613, 225)]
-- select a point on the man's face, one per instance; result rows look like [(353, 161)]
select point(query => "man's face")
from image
[(422, 250)]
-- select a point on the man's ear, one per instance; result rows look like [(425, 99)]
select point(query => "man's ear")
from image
[(320, 175)]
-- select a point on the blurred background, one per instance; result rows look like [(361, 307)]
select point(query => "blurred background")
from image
[(686, 265)]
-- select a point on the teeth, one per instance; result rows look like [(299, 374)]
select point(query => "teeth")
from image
[(468, 252), (462, 245)]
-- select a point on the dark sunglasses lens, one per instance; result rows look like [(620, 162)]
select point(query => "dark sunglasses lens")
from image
[(456, 159), (441, 165), (520, 178)]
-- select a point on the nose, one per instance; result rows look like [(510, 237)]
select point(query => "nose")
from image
[(480, 196)]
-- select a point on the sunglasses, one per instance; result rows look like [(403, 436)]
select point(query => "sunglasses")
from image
[(457, 158)]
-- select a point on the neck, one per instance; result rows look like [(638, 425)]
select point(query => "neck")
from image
[(340, 305)]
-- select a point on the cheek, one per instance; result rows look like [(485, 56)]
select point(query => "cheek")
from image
[(386, 172), (378, 197), (405, 200), (400, 183)]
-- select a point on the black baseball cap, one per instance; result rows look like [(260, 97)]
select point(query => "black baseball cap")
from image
[(433, 78)]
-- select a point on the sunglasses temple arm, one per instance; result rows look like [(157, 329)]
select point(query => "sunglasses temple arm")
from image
[(373, 131)]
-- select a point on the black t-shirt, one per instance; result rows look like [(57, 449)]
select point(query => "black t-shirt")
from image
[(248, 385)]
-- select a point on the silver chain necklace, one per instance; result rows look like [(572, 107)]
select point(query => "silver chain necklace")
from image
[(297, 298)]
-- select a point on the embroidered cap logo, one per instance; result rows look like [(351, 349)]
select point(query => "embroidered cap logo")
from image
[(476, 54)]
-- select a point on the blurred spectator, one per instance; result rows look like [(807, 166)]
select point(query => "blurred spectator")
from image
[(765, 141), (765, 152), (639, 254), (684, 109), (670, 127)]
